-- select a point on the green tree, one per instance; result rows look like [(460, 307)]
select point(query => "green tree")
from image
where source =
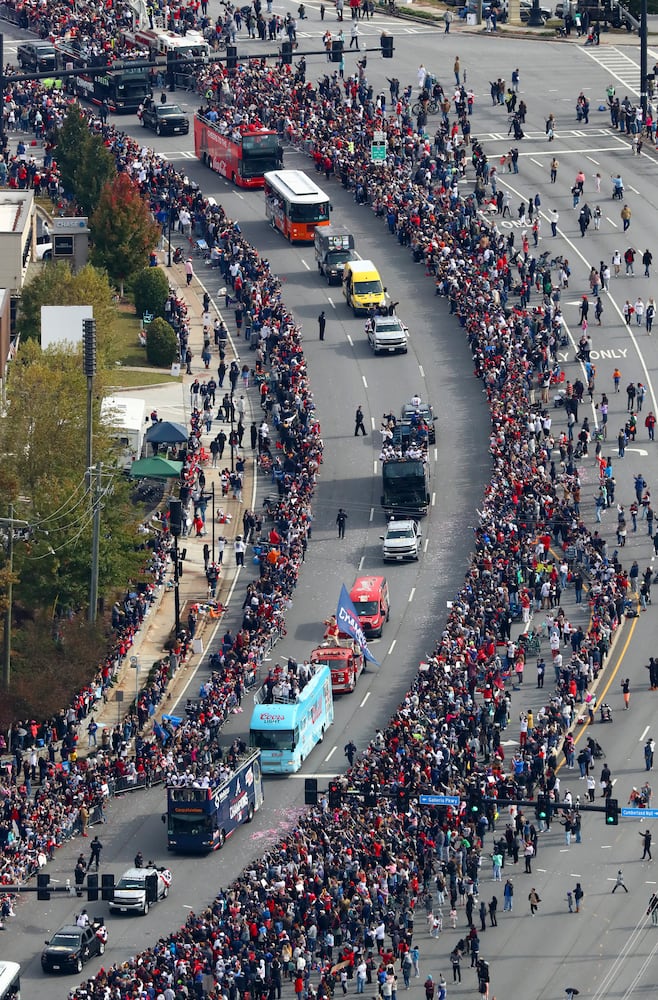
[(85, 163), (123, 229), (71, 139), (96, 168), (161, 343), (57, 285), (151, 289)]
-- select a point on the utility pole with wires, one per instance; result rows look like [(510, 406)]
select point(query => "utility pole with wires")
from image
[(11, 524), (89, 368), (95, 545)]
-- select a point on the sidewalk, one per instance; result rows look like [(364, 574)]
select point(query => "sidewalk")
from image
[(149, 645)]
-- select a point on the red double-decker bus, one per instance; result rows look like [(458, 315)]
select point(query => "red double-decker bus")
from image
[(244, 154)]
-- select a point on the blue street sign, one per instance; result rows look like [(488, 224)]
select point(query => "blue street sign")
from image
[(633, 813), (449, 800)]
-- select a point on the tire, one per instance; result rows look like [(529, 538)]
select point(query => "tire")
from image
[(221, 840), (158, 130), (147, 907), (101, 948), (165, 892), (250, 814), (143, 122), (321, 735), (78, 965)]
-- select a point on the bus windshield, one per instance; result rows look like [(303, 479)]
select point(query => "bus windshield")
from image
[(309, 213), (260, 154), (184, 824), (277, 739)]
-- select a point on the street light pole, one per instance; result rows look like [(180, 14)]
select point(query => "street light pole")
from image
[(170, 212), (644, 68), (134, 663)]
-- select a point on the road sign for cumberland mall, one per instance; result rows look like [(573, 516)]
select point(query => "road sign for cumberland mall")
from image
[(640, 813)]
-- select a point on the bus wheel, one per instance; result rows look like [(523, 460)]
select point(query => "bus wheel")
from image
[(221, 840), (321, 735), (250, 814), (233, 177)]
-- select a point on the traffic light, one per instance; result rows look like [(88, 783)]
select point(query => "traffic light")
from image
[(369, 795), (43, 892), (175, 517), (335, 797), (542, 805), (107, 887), (231, 57), (611, 812), (475, 802), (402, 798), (286, 53), (386, 42), (92, 887), (336, 51), (151, 888), (310, 791)]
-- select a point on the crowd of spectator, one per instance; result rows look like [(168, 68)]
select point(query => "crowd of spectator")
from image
[(347, 882)]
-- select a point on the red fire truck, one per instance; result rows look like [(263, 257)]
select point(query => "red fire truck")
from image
[(344, 659)]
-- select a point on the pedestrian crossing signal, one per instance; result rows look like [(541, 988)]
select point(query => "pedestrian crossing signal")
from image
[(92, 887), (611, 812)]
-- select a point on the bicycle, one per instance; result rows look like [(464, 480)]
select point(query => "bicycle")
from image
[(430, 107)]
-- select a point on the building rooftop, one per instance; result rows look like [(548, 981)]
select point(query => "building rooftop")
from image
[(15, 210)]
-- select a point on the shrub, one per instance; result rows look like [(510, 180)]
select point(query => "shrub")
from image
[(151, 289), (161, 343)]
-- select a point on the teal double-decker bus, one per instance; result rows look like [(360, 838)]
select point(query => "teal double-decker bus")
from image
[(285, 730)]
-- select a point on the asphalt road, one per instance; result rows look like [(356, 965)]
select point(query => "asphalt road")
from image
[(604, 951)]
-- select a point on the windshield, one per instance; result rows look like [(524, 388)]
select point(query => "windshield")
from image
[(272, 739), (399, 533), (368, 608), (131, 883), (373, 287), (310, 213), (403, 470), (260, 154), (339, 256), (71, 940), (190, 826)]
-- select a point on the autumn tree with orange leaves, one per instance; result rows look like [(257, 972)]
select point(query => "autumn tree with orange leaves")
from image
[(123, 230)]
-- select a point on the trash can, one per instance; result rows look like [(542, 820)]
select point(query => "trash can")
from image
[(471, 20)]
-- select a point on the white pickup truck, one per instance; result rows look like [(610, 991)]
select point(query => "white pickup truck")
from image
[(131, 893)]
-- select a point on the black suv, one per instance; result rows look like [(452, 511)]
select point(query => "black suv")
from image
[(165, 119), (72, 947), (38, 57)]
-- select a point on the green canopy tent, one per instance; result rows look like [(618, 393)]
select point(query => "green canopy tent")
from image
[(156, 468)]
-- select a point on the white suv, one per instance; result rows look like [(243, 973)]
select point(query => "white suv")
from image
[(387, 334), (130, 895), (401, 541)]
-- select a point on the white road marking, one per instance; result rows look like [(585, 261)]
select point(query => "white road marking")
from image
[(372, 514), (606, 847), (365, 698), (240, 195), (372, 423), (425, 544), (532, 160), (634, 190), (411, 595), (422, 372), (593, 160), (351, 342), (646, 730), (436, 454), (305, 264), (611, 222), (374, 465), (330, 754), (433, 499), (361, 562), (574, 875), (331, 302), (391, 647), (365, 384)]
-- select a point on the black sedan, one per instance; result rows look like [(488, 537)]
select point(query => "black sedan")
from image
[(72, 946), (165, 119)]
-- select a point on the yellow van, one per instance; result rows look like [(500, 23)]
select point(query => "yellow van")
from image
[(362, 286)]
